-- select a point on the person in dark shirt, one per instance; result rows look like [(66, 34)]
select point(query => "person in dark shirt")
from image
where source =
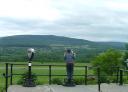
[(69, 58)]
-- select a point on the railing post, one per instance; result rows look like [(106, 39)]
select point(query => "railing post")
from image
[(117, 80), (11, 74), (50, 74), (86, 74), (98, 75), (6, 76), (121, 77)]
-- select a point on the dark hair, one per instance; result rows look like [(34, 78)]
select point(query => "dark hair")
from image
[(69, 50)]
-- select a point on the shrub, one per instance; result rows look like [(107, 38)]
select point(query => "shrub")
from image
[(112, 79), (57, 81), (25, 76), (79, 81), (91, 80)]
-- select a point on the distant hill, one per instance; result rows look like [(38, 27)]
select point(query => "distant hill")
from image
[(51, 48), (51, 40), (38, 40)]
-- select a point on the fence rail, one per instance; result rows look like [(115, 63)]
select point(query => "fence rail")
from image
[(10, 73)]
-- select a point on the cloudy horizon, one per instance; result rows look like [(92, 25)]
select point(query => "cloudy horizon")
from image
[(94, 20)]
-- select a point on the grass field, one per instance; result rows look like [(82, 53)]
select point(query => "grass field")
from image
[(61, 70)]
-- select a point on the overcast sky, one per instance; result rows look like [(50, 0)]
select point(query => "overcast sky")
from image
[(95, 20)]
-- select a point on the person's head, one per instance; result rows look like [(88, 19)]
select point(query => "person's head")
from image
[(68, 50)]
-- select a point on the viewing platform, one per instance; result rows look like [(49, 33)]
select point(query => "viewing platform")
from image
[(78, 88)]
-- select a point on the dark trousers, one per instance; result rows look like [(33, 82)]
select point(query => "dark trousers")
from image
[(70, 67)]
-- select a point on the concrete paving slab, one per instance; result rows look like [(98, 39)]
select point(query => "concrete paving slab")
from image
[(17, 88), (78, 88), (52, 88), (114, 88)]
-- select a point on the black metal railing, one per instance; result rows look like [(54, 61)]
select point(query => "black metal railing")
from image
[(123, 73), (49, 74), (10, 74)]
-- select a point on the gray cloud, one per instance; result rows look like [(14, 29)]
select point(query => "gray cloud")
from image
[(91, 20)]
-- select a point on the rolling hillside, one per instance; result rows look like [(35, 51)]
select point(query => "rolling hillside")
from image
[(51, 48), (50, 40)]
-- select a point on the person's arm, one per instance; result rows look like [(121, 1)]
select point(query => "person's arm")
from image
[(74, 56), (64, 56)]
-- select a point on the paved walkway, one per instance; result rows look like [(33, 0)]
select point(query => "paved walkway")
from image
[(114, 88), (52, 88), (78, 88)]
